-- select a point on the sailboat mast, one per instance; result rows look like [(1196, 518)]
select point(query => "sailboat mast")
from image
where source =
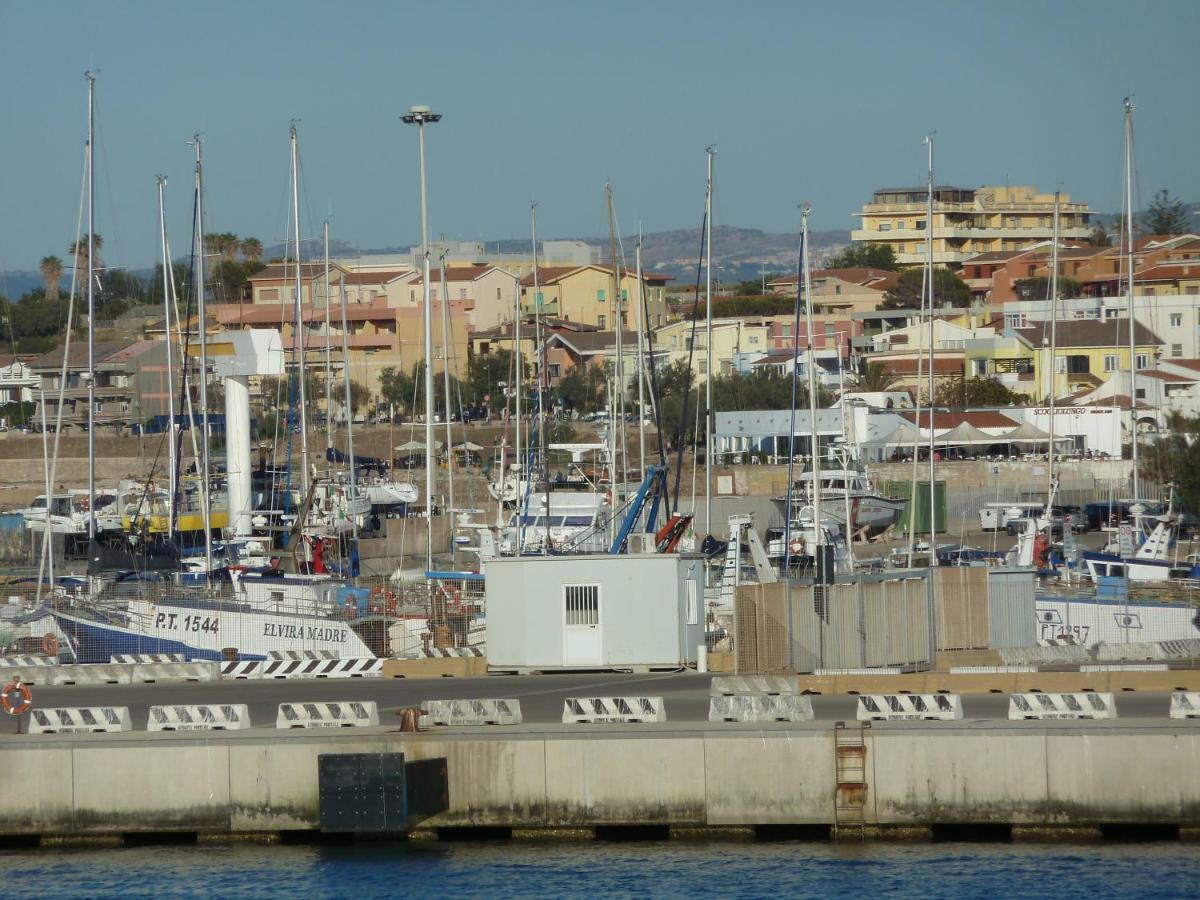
[(933, 560), (349, 412), (298, 339), (202, 325), (818, 532), (641, 360), (708, 341), (446, 384), (541, 368), (517, 377), (1133, 432), (1053, 354), (620, 457), (328, 351), (166, 266), (91, 307)]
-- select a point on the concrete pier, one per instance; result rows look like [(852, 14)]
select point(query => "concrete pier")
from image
[(574, 780)]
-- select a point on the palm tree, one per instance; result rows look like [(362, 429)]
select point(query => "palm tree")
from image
[(875, 379), (252, 249), (79, 252), (52, 269)]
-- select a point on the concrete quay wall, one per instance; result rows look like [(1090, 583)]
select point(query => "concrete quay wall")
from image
[(261, 781)]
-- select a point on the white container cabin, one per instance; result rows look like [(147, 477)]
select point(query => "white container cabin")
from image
[(594, 611)]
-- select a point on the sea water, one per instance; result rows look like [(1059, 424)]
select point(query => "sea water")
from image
[(594, 870)]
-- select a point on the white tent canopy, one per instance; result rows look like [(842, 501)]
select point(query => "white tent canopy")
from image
[(965, 433), (1028, 433), (416, 447), (904, 434), (468, 446)]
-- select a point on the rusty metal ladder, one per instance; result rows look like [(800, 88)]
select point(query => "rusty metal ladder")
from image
[(850, 770)]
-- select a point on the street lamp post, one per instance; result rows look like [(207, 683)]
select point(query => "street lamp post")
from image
[(419, 115)]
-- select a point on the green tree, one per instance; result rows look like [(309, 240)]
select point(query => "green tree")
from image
[(1039, 288), (52, 269), (78, 251), (976, 391), (398, 389), (869, 255), (1099, 236), (1165, 215), (230, 279), (360, 396), (1175, 458), (252, 249), (486, 374), (948, 288)]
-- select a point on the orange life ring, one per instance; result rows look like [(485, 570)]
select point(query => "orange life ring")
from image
[(797, 547), (50, 645), (15, 707)]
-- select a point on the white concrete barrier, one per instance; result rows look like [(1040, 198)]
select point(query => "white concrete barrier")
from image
[(1126, 667), (320, 668), (442, 653), (349, 714), (199, 717), (155, 673), (27, 661), (1065, 654), (1082, 705), (1185, 648), (471, 712), (760, 708), (753, 684), (140, 658), (1185, 705), (613, 709), (240, 669), (990, 670), (98, 673), (79, 720), (301, 654), (905, 707)]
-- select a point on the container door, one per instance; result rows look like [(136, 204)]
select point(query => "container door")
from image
[(582, 638)]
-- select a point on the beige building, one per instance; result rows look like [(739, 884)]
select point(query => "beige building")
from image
[(732, 339), (967, 221), (487, 294), (585, 294)]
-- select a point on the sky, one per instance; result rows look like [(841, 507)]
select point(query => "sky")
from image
[(547, 101)]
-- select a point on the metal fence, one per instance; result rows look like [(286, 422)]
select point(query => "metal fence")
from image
[(866, 621), (969, 615)]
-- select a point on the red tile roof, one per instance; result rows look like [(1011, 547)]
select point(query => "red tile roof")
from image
[(1168, 376), (941, 365), (1184, 363), (454, 273), (356, 278)]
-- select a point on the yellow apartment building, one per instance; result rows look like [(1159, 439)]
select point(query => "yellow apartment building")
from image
[(967, 221), (585, 294)]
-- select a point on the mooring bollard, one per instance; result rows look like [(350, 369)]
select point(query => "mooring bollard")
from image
[(410, 718)]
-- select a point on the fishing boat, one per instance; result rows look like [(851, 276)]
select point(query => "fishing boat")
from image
[(868, 508)]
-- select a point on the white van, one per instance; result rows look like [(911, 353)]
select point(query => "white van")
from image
[(996, 516)]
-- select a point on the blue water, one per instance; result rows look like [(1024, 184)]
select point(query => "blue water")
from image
[(593, 870)]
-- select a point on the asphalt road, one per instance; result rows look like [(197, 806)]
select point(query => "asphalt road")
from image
[(685, 696)]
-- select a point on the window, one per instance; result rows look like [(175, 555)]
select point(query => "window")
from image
[(980, 367), (1078, 365), (1151, 292), (1143, 361), (899, 224), (581, 604), (1141, 393), (624, 293), (600, 294), (269, 295), (555, 370), (1193, 289), (1110, 362), (412, 296), (497, 293), (1177, 350), (920, 224), (1176, 320), (601, 321), (462, 293), (885, 226), (541, 299)]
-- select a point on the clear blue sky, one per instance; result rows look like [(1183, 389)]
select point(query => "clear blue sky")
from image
[(547, 100)]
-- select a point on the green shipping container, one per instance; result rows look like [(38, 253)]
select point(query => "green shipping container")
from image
[(903, 490)]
